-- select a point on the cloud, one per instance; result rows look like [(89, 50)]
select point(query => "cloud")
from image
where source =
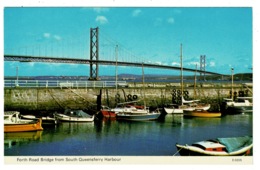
[(101, 19), (136, 12), (212, 64), (57, 37), (158, 62), (193, 63), (46, 35), (175, 64), (99, 10), (170, 20)]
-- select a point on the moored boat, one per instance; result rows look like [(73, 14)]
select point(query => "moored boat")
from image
[(233, 146), (12, 123), (239, 106), (74, 116), (186, 105), (174, 109), (138, 115), (45, 120), (107, 112), (200, 113)]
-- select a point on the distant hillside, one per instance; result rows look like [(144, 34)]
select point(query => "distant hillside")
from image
[(237, 77)]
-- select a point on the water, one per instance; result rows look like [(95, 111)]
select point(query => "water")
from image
[(118, 138)]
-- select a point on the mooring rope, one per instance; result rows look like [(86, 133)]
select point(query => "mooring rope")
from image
[(177, 151)]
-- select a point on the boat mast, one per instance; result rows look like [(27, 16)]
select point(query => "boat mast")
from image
[(181, 77), (232, 71), (143, 85), (195, 80), (116, 52)]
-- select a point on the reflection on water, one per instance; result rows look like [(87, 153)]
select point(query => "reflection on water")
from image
[(17, 138), (122, 138)]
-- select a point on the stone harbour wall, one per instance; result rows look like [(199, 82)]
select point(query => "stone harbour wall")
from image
[(86, 98)]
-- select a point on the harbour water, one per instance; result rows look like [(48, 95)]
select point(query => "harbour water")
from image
[(121, 138)]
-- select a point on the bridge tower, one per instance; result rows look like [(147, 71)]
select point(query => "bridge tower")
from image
[(94, 54), (202, 66)]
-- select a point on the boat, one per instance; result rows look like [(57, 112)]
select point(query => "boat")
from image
[(239, 106), (12, 123), (138, 115), (46, 120), (185, 104), (126, 107), (107, 112), (233, 146), (74, 116), (174, 109), (200, 113)]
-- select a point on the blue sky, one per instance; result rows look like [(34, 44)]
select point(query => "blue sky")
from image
[(147, 34)]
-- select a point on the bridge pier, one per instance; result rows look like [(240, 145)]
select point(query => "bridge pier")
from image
[(94, 51)]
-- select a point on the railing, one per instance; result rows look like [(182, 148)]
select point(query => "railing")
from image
[(62, 84)]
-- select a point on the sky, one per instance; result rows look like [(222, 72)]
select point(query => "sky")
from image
[(146, 34)]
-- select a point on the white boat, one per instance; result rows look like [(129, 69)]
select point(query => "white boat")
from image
[(233, 146), (126, 107), (186, 105), (240, 105), (138, 115), (74, 116), (173, 109), (134, 113), (45, 120)]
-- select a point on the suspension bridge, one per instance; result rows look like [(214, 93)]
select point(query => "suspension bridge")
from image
[(109, 54)]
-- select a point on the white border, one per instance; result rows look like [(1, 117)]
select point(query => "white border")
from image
[(152, 3)]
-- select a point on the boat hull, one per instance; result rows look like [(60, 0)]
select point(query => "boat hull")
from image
[(173, 111), (239, 109), (23, 127), (201, 114), (108, 113), (141, 117), (65, 118), (45, 120), (185, 150)]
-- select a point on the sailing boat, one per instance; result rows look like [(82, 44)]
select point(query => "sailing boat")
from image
[(105, 110), (135, 114), (185, 105), (239, 106)]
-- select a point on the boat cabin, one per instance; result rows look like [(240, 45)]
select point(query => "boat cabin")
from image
[(210, 145), (11, 116)]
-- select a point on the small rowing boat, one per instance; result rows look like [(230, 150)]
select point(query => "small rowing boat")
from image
[(233, 146)]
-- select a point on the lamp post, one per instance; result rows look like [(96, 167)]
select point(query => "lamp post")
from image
[(232, 72), (16, 84)]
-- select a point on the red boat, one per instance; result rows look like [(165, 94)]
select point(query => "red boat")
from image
[(107, 112)]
